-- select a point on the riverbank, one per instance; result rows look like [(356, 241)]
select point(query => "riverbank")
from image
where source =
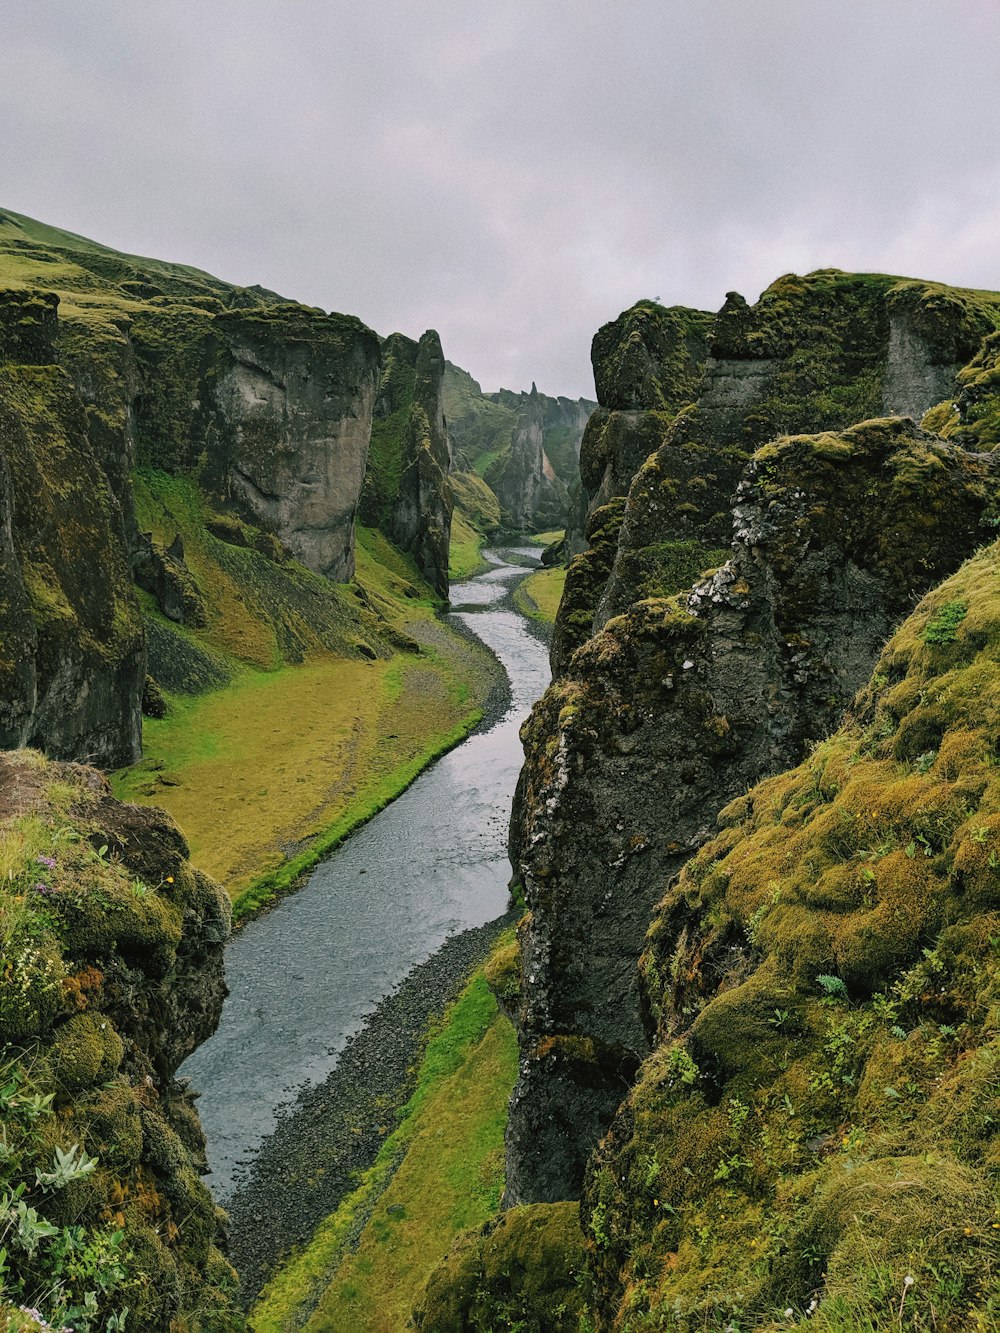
[(384, 916), (539, 595), (270, 772), (323, 1176)]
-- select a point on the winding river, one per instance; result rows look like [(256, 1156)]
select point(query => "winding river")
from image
[(303, 978)]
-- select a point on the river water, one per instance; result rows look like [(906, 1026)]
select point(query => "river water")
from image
[(303, 978)]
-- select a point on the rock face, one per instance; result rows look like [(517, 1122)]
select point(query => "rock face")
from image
[(815, 353), (530, 493), (72, 661), (407, 491), (648, 364), (420, 522), (683, 698), (112, 974), (295, 394), (525, 445)]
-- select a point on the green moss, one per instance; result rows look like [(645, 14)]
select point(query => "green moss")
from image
[(92, 896), (826, 971), (520, 1272), (651, 357)]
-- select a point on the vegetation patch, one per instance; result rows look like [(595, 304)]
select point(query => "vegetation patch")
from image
[(438, 1173), (105, 1224), (539, 595)]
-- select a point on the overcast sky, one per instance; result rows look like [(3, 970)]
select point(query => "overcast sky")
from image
[(511, 173)]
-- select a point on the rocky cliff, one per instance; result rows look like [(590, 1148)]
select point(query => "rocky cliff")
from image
[(111, 972), (815, 1131), (815, 353), (112, 366), (530, 492), (682, 698), (525, 445), (407, 489), (72, 661)]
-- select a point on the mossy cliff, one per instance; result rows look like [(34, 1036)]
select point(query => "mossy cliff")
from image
[(820, 352), (533, 477), (111, 970), (208, 443), (71, 642), (407, 490), (691, 698), (817, 1125), (647, 364)]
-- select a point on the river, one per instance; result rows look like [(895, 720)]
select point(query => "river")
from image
[(304, 978)]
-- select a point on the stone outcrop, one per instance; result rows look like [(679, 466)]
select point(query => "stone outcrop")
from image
[(678, 703), (420, 522), (112, 973), (72, 661), (648, 364), (525, 445), (407, 492), (294, 395)]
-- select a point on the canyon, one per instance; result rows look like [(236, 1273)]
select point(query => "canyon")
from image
[(754, 979)]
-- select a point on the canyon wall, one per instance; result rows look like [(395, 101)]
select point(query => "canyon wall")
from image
[(671, 698)]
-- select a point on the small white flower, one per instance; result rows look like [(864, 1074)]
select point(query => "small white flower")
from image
[(688, 664), (909, 1280), (789, 1313)]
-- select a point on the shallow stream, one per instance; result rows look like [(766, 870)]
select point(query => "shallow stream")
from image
[(303, 978)]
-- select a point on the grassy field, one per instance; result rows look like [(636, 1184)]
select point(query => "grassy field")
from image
[(538, 596), (269, 773), (439, 1172)]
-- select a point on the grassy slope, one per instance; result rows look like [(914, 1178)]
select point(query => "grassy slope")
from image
[(441, 1171), (539, 595), (307, 735)]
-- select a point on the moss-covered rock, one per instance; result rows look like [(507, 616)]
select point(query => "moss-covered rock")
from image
[(818, 1121), (679, 704), (521, 1272), (71, 648), (111, 972)]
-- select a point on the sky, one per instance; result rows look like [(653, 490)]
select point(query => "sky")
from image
[(513, 174)]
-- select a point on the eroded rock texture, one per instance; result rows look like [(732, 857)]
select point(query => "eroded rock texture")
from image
[(72, 661), (294, 395), (262, 404)]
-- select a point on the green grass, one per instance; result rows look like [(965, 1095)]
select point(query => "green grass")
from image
[(438, 1173), (546, 538), (540, 594), (465, 554), (301, 737)]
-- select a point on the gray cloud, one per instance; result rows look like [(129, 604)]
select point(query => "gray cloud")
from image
[(515, 174)]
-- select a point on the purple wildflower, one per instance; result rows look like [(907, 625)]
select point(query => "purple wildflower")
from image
[(48, 861), (39, 887)]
